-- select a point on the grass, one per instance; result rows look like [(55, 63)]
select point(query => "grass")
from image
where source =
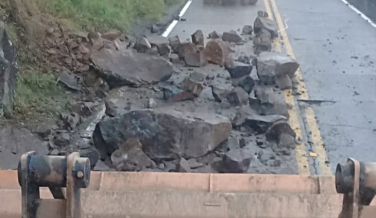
[(105, 14), (37, 92)]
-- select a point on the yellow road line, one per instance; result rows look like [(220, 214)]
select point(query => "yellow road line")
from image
[(300, 151), (318, 143), (309, 113)]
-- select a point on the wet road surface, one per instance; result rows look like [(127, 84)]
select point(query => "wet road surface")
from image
[(336, 49)]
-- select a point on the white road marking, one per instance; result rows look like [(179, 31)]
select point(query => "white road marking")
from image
[(170, 28), (360, 13), (173, 24), (182, 12)]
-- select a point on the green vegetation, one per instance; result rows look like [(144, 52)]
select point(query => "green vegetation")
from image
[(105, 14), (37, 92)]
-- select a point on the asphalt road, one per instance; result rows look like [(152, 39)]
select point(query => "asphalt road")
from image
[(336, 49)]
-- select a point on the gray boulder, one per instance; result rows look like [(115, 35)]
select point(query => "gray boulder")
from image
[(267, 24), (164, 133), (8, 72), (272, 66), (126, 68)]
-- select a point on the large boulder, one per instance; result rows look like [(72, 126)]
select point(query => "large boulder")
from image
[(164, 133), (8, 72), (263, 22), (14, 143), (216, 52), (272, 66), (126, 68)]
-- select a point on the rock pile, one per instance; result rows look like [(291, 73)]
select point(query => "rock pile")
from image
[(172, 117), (195, 106)]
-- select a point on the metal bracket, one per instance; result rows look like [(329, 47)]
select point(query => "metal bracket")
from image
[(55, 172), (356, 181)]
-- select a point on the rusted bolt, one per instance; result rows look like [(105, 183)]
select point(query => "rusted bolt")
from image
[(80, 174)]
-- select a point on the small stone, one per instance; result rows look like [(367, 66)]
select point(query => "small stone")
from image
[(242, 143), (214, 35), (238, 97), (101, 166), (238, 69), (231, 36), (262, 41), (142, 45), (111, 35), (286, 140), (155, 29), (198, 38), (54, 152), (194, 83), (246, 82), (247, 30), (70, 81), (62, 139), (151, 103), (173, 93), (161, 43), (183, 166), (193, 164), (235, 161), (174, 43), (278, 129), (219, 93)]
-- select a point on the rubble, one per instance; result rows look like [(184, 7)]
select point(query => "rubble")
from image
[(238, 97), (198, 38), (216, 52), (263, 22), (247, 30), (127, 68), (163, 133), (231, 36), (8, 72), (238, 69)]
